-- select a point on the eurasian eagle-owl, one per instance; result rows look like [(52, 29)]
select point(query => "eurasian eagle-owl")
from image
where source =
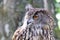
[(37, 25)]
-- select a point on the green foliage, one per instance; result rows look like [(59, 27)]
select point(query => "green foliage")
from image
[(57, 7), (57, 33), (57, 29), (57, 10)]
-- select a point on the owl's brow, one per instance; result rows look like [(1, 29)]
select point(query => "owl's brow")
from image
[(37, 12), (42, 11)]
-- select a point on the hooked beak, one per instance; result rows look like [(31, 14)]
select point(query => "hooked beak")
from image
[(30, 21)]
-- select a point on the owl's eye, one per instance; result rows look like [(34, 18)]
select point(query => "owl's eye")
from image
[(35, 16)]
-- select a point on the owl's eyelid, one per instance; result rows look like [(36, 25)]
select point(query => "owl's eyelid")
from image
[(36, 15)]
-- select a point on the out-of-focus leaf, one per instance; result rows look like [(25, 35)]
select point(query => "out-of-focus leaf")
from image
[(57, 0), (57, 10), (59, 24), (57, 33), (57, 5), (58, 16)]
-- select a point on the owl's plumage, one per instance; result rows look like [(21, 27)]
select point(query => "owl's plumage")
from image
[(38, 25)]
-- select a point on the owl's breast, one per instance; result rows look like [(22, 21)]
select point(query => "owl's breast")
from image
[(34, 32)]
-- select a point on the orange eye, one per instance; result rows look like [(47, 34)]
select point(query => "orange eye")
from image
[(35, 17)]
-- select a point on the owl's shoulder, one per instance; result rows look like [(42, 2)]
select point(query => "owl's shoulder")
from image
[(17, 32)]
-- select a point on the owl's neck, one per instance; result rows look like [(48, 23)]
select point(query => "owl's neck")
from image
[(25, 22)]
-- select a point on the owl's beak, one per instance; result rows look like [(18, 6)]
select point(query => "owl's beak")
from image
[(30, 21)]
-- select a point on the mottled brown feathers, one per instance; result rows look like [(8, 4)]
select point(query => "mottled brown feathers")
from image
[(40, 28)]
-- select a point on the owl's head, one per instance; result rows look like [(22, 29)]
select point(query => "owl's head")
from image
[(37, 15)]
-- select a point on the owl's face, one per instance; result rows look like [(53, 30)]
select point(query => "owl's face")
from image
[(38, 16), (34, 16)]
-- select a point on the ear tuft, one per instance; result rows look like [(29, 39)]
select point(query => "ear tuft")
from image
[(28, 7)]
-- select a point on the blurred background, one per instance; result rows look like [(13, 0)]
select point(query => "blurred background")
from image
[(13, 11)]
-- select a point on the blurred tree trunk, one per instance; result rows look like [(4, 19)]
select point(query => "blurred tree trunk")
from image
[(9, 11), (38, 4)]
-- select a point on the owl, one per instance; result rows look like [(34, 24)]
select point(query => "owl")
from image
[(37, 25)]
